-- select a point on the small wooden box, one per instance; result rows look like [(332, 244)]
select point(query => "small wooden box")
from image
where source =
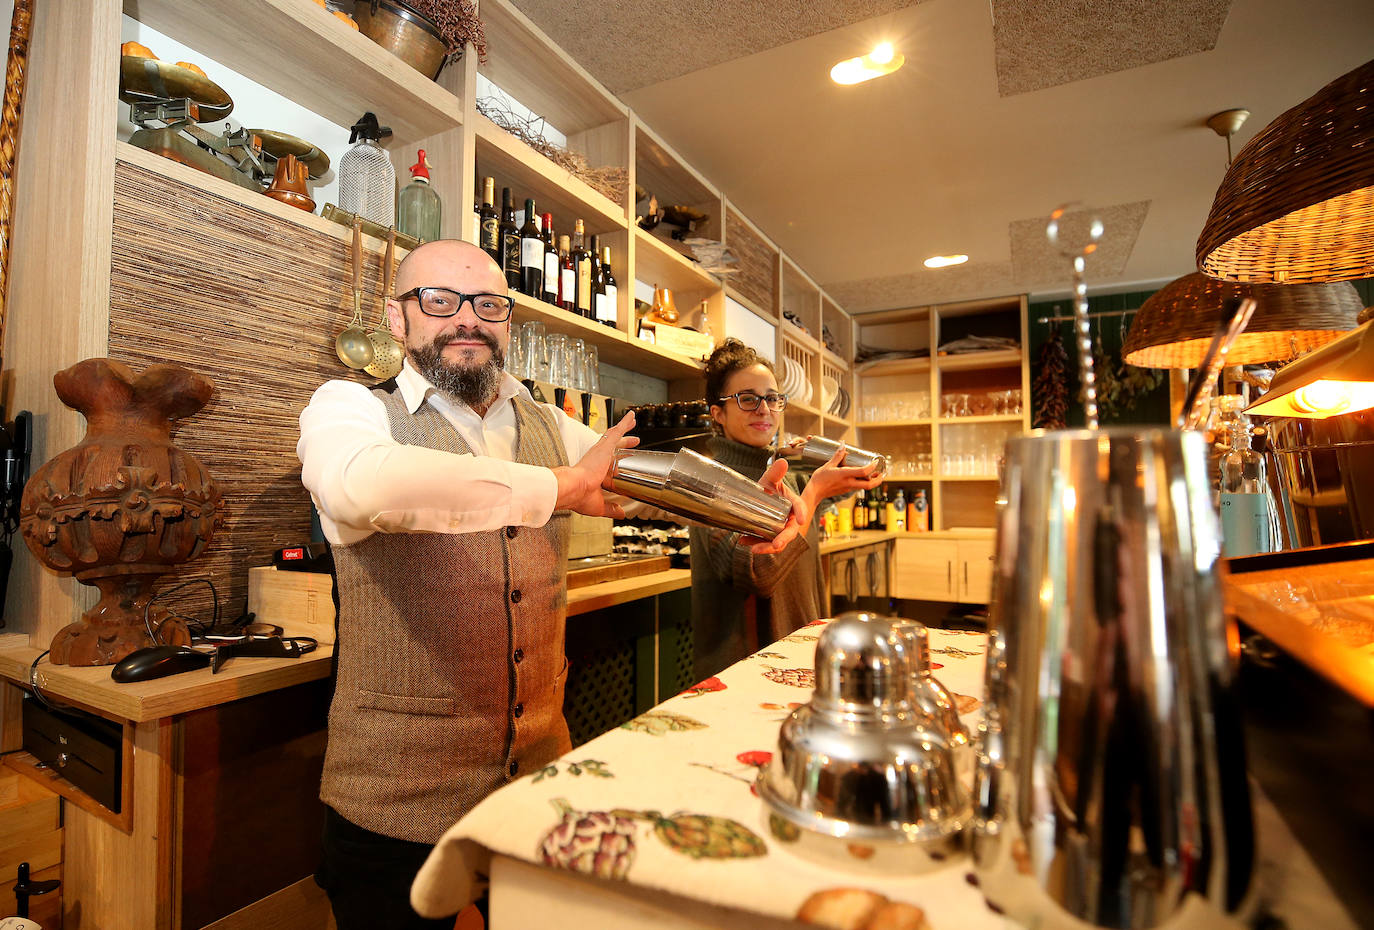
[(301, 603), (682, 341)]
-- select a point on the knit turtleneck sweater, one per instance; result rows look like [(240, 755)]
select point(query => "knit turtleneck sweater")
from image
[(742, 601)]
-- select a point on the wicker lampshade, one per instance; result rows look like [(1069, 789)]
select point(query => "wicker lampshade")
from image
[(1175, 325), (1297, 205)]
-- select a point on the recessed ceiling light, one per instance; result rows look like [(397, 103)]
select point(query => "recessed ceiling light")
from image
[(884, 59), (944, 261)]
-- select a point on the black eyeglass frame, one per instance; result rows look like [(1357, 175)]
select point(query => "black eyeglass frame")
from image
[(416, 292), (778, 406)]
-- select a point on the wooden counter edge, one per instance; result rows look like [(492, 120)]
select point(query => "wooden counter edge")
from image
[(1349, 669), (92, 688), (623, 590)]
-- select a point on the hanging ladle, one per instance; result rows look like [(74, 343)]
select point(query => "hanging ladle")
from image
[(387, 354), (352, 345)]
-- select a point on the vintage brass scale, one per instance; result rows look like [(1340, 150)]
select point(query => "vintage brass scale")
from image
[(168, 102)]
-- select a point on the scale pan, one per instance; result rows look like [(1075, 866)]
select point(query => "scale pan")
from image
[(279, 145), (144, 79)]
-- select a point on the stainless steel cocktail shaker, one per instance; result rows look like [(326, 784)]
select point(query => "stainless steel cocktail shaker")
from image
[(693, 486), (1110, 784), (818, 450)]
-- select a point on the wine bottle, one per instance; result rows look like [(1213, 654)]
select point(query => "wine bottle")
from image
[(488, 223), (594, 283), (510, 241), (567, 275), (609, 290), (531, 254), (582, 273), (550, 294)]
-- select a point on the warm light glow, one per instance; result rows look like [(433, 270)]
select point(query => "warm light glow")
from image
[(1319, 400), (884, 59), (944, 261)]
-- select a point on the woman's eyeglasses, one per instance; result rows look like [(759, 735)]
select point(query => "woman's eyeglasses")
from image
[(749, 401), (442, 302)]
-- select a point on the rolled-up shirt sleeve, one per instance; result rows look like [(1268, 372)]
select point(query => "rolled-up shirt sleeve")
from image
[(362, 481)]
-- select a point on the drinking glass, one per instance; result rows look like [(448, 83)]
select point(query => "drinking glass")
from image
[(593, 361), (560, 372), (577, 364)]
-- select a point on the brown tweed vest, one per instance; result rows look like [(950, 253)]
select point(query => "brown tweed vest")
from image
[(450, 666)]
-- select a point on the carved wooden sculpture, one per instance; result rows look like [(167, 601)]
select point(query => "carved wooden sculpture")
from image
[(123, 506)]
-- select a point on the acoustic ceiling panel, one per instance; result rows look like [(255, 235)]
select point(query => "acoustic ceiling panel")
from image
[(627, 44), (1051, 42)]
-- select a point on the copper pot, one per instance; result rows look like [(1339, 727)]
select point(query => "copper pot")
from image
[(402, 32)]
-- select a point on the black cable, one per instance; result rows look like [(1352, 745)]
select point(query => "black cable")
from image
[(147, 622), (38, 692)]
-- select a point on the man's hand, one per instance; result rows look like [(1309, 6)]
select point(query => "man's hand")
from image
[(832, 479), (797, 521), (580, 486)]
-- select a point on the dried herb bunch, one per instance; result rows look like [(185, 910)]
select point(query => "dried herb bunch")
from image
[(1050, 389), (457, 21), (610, 180)]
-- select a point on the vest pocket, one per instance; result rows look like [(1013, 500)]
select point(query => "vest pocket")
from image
[(406, 704)]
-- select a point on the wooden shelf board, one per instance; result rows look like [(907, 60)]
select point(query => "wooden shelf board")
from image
[(895, 424), (622, 590), (968, 478), (164, 697), (998, 358), (300, 51), (989, 418), (555, 190), (893, 366), (914, 476), (175, 171), (661, 265), (833, 359), (796, 406), (526, 64), (658, 362), (899, 315), (794, 333)]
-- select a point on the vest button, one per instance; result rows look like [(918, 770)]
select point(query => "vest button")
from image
[(518, 656), (514, 768), (519, 710), (515, 596), (511, 531)]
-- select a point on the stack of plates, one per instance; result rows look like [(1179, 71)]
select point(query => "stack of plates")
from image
[(793, 381), (839, 407), (830, 392)]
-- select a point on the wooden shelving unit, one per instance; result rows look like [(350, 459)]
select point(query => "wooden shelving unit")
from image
[(957, 500)]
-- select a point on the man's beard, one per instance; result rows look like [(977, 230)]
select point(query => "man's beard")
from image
[(474, 385)]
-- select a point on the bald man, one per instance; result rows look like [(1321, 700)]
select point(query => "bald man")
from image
[(445, 493)]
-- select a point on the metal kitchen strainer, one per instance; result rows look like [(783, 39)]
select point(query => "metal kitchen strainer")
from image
[(387, 354)]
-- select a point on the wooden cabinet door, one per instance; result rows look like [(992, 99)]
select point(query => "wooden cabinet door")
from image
[(844, 577), (975, 570), (923, 569), (873, 570)]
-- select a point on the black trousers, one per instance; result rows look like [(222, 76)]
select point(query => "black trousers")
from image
[(367, 877)]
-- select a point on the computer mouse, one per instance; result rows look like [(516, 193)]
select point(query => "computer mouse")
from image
[(158, 662)]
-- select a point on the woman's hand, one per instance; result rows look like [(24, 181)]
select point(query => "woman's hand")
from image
[(797, 521), (833, 479)]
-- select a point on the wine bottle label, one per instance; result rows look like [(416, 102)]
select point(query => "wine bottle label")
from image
[(513, 252), (584, 286), (1245, 523), (610, 299), (551, 275), (491, 233), (565, 286), (531, 253)]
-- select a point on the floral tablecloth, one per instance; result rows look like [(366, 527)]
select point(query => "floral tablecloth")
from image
[(666, 802)]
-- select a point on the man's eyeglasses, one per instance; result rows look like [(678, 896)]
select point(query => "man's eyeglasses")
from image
[(441, 302), (749, 401)]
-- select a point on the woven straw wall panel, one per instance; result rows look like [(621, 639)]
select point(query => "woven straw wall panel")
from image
[(757, 278), (252, 302)]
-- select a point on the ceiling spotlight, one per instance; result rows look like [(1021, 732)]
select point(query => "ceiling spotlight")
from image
[(944, 261), (884, 59)]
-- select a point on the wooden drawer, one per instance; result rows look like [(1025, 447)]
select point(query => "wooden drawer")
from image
[(30, 831), (923, 569)]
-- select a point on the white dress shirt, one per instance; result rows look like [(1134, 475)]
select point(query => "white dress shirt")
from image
[(362, 481)]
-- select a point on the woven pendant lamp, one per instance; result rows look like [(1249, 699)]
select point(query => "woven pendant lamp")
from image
[(1175, 325), (1297, 205)]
